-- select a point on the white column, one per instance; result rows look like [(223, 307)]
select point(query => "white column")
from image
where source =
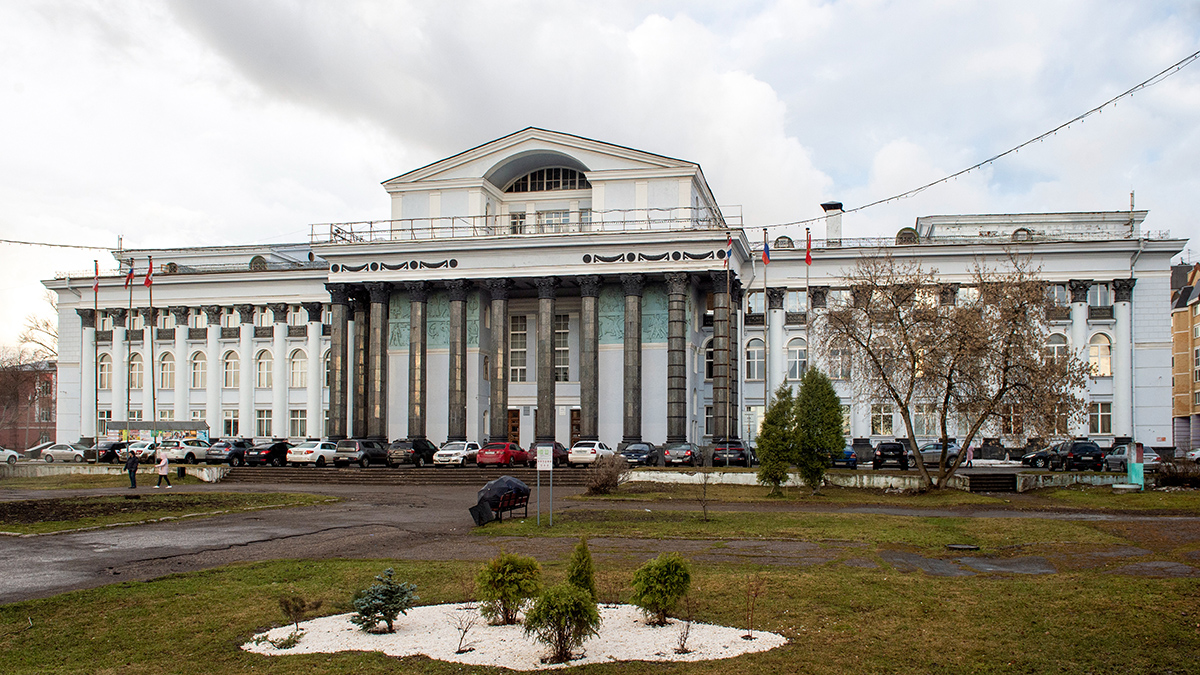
[(1122, 359), (87, 375), (280, 373), (776, 342), (1079, 342), (351, 432), (316, 376), (246, 371), (212, 388), (183, 366), (149, 374), (120, 409)]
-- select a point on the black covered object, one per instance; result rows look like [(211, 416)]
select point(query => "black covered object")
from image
[(492, 492), (482, 513)]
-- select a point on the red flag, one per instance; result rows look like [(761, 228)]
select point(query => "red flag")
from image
[(808, 251), (96, 283), (149, 272), (129, 277)]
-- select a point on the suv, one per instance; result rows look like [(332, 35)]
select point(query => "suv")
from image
[(1072, 455), (415, 451), (227, 450), (361, 452), (728, 453), (457, 453), (931, 453), (890, 451), (185, 450)]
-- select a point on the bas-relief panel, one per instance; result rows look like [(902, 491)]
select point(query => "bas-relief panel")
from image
[(611, 313), (654, 313), (473, 319), (398, 321), (437, 319)]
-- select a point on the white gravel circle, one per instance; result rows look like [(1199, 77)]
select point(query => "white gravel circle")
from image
[(431, 631)]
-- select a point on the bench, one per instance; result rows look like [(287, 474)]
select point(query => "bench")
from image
[(511, 501)]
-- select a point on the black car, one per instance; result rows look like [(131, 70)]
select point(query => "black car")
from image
[(558, 452), (416, 451), (230, 451), (682, 453), (1039, 459), (273, 453), (360, 451), (731, 452), (1077, 455), (108, 452), (890, 451), (641, 453)]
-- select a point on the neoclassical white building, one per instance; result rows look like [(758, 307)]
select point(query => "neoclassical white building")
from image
[(547, 286)]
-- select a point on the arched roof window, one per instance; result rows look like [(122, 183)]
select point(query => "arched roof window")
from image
[(552, 178)]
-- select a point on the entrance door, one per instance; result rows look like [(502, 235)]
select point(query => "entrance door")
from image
[(514, 426), (575, 417)]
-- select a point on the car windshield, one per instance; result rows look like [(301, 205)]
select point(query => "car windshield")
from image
[(637, 447), (455, 446)]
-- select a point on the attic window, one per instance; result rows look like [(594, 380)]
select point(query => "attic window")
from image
[(1021, 234), (783, 242), (545, 180), (258, 264), (907, 237)]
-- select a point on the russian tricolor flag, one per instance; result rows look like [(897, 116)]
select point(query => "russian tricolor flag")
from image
[(766, 253)]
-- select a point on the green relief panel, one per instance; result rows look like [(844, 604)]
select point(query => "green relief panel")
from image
[(437, 320), (398, 321), (654, 313), (611, 311), (473, 319)]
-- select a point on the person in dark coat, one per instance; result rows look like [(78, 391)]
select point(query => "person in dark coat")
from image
[(131, 465)]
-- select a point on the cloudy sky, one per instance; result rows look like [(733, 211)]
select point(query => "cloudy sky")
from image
[(212, 122)]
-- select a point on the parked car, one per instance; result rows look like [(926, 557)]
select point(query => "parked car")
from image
[(315, 453), (9, 456), (558, 452), (682, 453), (109, 452), (359, 451), (184, 450), (416, 451), (143, 449), (64, 452), (587, 452), (931, 453), (1039, 459), (1077, 454), (36, 451), (502, 453), (1191, 456), (273, 453), (230, 451), (641, 453), (732, 452), (1119, 457), (456, 453), (847, 458), (890, 451)]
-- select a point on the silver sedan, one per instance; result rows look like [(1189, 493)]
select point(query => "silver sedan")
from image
[(63, 452)]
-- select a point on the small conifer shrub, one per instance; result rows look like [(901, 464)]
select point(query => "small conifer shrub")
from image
[(562, 618), (659, 585), (581, 573), (383, 601), (504, 584)]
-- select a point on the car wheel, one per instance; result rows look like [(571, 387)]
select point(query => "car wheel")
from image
[(49, 458), (78, 458), (875, 466), (1039, 462), (12, 459), (364, 462), (320, 462)]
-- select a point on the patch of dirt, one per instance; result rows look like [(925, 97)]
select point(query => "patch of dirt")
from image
[(28, 512)]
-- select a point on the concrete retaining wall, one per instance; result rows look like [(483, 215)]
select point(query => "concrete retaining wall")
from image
[(1037, 481), (208, 474), (850, 479)]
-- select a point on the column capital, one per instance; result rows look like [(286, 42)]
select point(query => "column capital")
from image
[(181, 315), (314, 310), (817, 296), (1079, 289), (458, 289), (213, 313), (775, 297), (148, 314), (245, 313), (589, 286), (279, 311), (678, 283), (118, 316), (547, 287), (720, 280), (633, 284), (87, 317), (498, 288), (379, 291), (1123, 289), (339, 294), (418, 291), (736, 293)]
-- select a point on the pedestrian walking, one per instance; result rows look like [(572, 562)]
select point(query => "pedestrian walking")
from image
[(131, 465), (970, 454), (163, 466)]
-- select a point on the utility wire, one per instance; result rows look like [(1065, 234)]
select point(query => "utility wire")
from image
[(42, 243)]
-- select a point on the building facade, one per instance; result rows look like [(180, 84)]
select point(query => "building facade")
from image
[(545, 286), (27, 404)]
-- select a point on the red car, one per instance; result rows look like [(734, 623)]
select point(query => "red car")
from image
[(504, 454)]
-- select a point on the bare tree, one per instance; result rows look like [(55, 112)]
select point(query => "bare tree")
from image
[(17, 380), (41, 333), (975, 357)]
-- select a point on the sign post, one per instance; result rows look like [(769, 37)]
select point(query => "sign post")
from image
[(545, 462)]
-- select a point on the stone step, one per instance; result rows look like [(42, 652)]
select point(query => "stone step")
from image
[(992, 482), (467, 476)]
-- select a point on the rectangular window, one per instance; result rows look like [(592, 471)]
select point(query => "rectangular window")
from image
[(106, 321), (516, 223), (135, 320), (553, 221), (1100, 418), (1098, 296), (845, 420), (756, 302), (262, 423), (135, 416), (297, 423), (44, 415), (197, 319), (839, 363), (1196, 329), (517, 348), (881, 419), (197, 415), (754, 417), (103, 417), (796, 301), (1058, 296), (585, 220), (297, 316), (230, 318), (756, 359), (166, 415), (229, 423), (1196, 365), (924, 418), (166, 320), (708, 420), (562, 351), (1196, 398)]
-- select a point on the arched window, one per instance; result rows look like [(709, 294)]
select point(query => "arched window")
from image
[(199, 370), (756, 359), (1100, 355), (262, 369), (328, 370), (797, 355), (299, 369), (166, 371), (231, 366), (104, 370), (553, 178), (708, 360), (1057, 346), (135, 371)]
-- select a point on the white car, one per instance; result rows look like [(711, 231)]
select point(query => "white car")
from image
[(9, 456), (63, 452), (1193, 456), (143, 449), (316, 453), (457, 453), (184, 450), (588, 452)]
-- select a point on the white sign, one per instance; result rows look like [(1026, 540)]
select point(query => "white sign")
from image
[(545, 458)]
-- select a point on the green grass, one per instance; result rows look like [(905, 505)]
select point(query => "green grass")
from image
[(749, 494), (1102, 498), (840, 620), (84, 481), (24, 517), (930, 533)]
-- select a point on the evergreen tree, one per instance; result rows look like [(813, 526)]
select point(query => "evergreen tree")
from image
[(777, 445), (581, 573), (818, 427)]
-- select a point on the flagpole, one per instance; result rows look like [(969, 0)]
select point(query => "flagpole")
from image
[(128, 343), (807, 302), (766, 326), (153, 335), (96, 352)]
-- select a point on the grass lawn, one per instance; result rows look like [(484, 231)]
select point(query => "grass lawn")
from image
[(53, 515), (1102, 498), (839, 620), (832, 496), (83, 481)]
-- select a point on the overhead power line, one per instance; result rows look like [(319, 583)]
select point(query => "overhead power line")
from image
[(1158, 77), (42, 243)]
